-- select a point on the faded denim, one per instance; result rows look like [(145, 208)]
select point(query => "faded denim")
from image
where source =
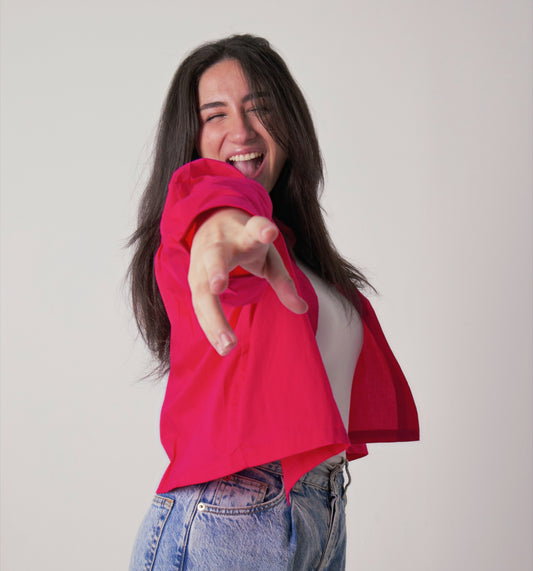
[(243, 522)]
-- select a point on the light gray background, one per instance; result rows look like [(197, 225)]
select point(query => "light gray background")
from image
[(424, 115)]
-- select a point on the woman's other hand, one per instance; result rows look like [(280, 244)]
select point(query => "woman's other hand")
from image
[(229, 238)]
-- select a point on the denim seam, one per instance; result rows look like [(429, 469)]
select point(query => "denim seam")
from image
[(336, 493), (185, 544), (167, 504), (160, 501)]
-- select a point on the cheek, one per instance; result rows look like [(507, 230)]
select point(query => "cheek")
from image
[(201, 146), (281, 157), (206, 145)]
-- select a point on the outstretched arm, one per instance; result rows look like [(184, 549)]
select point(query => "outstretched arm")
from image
[(229, 238)]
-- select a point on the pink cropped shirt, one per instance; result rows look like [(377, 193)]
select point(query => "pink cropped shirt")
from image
[(270, 398)]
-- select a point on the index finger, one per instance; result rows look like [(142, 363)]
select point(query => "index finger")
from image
[(211, 318)]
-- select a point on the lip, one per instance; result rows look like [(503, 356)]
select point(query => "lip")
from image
[(246, 152)]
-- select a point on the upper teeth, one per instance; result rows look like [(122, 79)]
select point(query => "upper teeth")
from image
[(246, 157)]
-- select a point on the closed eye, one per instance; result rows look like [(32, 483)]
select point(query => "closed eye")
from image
[(215, 116), (258, 109)]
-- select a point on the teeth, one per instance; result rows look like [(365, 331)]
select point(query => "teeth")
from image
[(246, 157)]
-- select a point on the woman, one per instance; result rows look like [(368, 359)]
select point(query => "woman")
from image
[(267, 397)]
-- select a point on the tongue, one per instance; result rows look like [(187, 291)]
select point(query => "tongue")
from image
[(248, 168)]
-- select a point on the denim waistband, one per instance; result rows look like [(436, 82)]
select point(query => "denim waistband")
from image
[(322, 476)]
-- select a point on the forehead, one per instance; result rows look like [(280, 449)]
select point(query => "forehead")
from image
[(224, 79)]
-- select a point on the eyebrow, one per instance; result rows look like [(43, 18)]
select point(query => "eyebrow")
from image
[(245, 99)]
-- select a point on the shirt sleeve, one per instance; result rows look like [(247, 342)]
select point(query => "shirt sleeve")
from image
[(204, 185), (196, 189)]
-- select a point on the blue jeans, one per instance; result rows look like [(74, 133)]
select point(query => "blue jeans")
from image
[(243, 522)]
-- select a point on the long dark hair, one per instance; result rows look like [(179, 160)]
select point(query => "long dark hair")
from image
[(294, 196)]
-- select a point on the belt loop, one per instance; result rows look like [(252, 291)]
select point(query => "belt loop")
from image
[(349, 476), (333, 486)]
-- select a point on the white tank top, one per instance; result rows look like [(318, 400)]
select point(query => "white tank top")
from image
[(339, 337)]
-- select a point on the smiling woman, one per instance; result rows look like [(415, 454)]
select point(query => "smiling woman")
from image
[(279, 372), (231, 129)]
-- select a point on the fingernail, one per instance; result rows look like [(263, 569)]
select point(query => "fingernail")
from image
[(217, 282), (267, 233), (224, 345)]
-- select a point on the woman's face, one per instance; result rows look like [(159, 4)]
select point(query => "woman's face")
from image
[(230, 128)]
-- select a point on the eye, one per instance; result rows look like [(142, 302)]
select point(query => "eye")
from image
[(259, 109), (214, 116)]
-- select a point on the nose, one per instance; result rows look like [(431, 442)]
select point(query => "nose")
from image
[(241, 128)]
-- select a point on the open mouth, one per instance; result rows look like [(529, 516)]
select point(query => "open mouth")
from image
[(248, 164)]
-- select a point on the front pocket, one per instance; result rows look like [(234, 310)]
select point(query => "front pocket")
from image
[(242, 495), (238, 491)]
